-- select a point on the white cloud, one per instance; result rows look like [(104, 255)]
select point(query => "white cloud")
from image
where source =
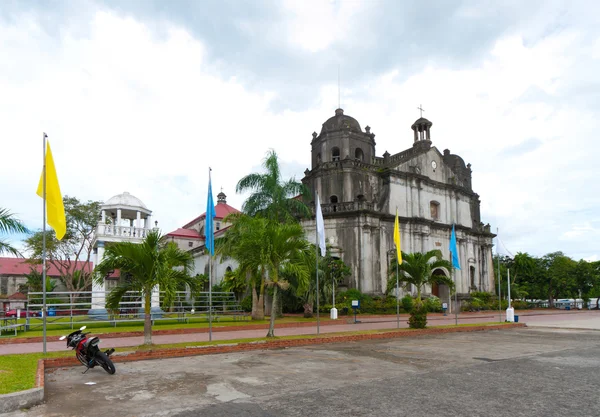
[(315, 25), (126, 109)]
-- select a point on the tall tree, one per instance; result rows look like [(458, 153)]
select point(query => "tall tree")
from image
[(271, 196), (9, 225), (147, 265), (284, 250), (76, 245), (236, 244), (559, 276), (268, 252)]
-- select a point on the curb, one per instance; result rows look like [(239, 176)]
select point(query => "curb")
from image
[(25, 399), (323, 322), (275, 344)]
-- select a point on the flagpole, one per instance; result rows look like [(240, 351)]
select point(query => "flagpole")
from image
[(397, 295), (44, 136), (499, 277), (455, 294), (210, 272), (317, 268)]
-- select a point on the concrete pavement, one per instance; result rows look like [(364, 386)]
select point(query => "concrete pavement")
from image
[(519, 372), (548, 318)]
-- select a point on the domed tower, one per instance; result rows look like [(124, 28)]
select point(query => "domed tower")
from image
[(341, 157), (342, 138), (123, 218)]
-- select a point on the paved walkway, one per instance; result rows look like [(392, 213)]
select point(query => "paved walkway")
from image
[(552, 318)]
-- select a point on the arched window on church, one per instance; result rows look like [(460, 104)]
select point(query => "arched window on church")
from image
[(318, 158), (333, 200), (472, 276), (335, 154), (434, 208), (228, 269), (359, 155)]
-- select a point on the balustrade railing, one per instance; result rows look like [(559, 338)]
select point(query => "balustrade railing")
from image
[(347, 206), (122, 231)]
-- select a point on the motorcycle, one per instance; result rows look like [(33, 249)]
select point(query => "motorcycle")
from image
[(87, 351)]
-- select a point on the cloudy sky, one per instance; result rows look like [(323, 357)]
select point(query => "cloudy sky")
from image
[(143, 96)]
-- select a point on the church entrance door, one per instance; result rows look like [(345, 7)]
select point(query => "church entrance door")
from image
[(435, 290)]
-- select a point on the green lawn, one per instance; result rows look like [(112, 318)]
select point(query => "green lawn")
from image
[(62, 326), (17, 372)]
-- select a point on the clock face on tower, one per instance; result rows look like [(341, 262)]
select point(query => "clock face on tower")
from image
[(433, 164)]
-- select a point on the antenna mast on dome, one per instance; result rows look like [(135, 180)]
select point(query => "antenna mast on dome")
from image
[(339, 94)]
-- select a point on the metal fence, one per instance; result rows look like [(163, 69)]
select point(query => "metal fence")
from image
[(72, 309)]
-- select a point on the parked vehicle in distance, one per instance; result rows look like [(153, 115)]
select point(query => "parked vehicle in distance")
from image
[(23, 313)]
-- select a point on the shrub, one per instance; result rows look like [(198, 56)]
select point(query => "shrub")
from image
[(484, 296), (494, 305), (418, 317), (407, 303), (520, 305), (246, 303), (433, 304)]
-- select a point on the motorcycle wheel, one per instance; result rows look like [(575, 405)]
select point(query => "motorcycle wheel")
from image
[(105, 362)]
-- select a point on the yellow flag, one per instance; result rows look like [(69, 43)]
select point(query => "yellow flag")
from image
[(397, 239), (55, 210)]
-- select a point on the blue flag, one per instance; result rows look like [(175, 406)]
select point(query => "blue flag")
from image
[(208, 221), (454, 250)]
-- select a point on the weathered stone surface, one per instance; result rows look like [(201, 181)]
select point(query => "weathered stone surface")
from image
[(361, 192)]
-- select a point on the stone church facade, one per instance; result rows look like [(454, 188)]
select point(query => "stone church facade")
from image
[(360, 192)]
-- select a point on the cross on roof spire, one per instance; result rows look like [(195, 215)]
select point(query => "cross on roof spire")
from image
[(421, 108)]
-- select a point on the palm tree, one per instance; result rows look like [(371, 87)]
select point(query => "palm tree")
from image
[(8, 225), (267, 251), (147, 265), (242, 242), (418, 269), (271, 196), (284, 252)]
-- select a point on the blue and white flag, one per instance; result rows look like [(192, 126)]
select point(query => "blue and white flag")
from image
[(454, 250), (208, 221)]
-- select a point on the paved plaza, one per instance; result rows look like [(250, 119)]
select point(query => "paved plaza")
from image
[(520, 372)]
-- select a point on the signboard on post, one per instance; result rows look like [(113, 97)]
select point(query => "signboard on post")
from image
[(355, 306)]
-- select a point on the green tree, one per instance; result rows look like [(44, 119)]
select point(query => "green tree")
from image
[(242, 243), (418, 269), (147, 265), (9, 225), (235, 281), (332, 272), (559, 276), (34, 282), (269, 251), (75, 246), (271, 196)]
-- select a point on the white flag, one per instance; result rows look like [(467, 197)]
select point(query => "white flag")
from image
[(320, 227), (501, 248)]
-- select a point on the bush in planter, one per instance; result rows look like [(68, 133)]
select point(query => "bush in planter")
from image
[(418, 317)]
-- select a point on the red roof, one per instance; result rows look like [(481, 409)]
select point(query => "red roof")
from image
[(221, 211), (188, 233), (17, 296), (19, 266)]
